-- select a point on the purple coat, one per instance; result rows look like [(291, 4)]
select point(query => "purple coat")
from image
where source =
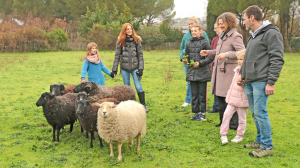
[(223, 69)]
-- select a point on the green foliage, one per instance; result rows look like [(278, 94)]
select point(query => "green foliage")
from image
[(151, 35), (172, 35), (99, 35), (191, 63), (172, 139), (295, 44), (185, 56), (57, 35), (210, 21)]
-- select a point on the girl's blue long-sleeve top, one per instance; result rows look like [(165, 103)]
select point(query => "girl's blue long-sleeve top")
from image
[(94, 72)]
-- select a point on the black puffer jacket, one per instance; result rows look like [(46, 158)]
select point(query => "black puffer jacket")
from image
[(130, 56), (192, 49)]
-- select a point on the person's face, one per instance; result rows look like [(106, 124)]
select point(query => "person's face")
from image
[(191, 23), (247, 21), (217, 29), (94, 50), (223, 25), (196, 32), (240, 62), (129, 31)]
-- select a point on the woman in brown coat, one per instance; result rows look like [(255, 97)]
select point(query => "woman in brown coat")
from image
[(225, 60)]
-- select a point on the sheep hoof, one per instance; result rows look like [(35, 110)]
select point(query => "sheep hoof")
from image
[(120, 158), (101, 146), (91, 146), (53, 140)]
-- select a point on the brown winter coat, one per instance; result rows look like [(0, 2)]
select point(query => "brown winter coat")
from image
[(223, 69), (236, 95)]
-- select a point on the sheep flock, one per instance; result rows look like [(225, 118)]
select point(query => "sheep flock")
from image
[(112, 112)]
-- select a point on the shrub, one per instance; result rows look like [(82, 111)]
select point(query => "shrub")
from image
[(295, 44), (151, 36), (172, 35), (57, 35)]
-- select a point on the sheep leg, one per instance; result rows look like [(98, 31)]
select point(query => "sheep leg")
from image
[(111, 150), (53, 140), (131, 142), (87, 135), (81, 129), (71, 127), (119, 149), (57, 129), (92, 137), (101, 145), (138, 138)]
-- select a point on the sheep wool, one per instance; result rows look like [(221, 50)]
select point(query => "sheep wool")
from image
[(122, 123)]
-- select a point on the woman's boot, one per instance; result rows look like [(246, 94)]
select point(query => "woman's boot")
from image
[(142, 100)]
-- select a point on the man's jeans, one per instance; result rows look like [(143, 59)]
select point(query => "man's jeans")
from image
[(137, 82), (188, 97), (258, 100)]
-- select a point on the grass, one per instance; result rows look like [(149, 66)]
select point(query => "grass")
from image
[(172, 140)]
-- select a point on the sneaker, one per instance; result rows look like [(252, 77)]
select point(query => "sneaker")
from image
[(186, 104), (251, 146), (211, 111), (224, 139), (237, 139), (201, 117), (195, 116), (261, 152)]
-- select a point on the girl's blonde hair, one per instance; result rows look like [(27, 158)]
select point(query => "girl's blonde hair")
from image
[(241, 54), (193, 18), (199, 27), (89, 50)]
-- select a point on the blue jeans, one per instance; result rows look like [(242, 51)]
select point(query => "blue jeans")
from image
[(216, 104), (126, 79), (188, 97), (258, 100)]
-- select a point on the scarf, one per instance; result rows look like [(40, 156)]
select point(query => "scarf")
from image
[(224, 33), (93, 59)]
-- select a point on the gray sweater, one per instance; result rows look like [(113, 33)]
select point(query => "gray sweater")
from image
[(263, 59)]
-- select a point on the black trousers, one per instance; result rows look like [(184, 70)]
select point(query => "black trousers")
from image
[(199, 93), (234, 122)]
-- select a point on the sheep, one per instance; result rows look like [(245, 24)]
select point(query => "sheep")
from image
[(86, 112), (120, 92), (60, 89), (121, 123), (58, 110)]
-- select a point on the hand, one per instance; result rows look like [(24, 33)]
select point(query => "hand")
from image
[(197, 65), (112, 74), (82, 80), (239, 80), (221, 56), (203, 53), (270, 89), (184, 61), (139, 73)]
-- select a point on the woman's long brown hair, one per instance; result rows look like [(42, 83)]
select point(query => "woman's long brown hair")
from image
[(123, 35)]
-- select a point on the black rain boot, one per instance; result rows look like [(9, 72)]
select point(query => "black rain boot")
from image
[(142, 100)]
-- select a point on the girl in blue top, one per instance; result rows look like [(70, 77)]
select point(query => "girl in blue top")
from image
[(93, 66)]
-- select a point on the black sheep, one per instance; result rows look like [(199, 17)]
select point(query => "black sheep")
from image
[(120, 92), (58, 110), (86, 112), (60, 89)]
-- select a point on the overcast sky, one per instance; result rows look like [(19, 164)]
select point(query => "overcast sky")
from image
[(188, 8)]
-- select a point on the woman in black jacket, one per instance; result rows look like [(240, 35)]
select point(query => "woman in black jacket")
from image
[(199, 73), (129, 53)]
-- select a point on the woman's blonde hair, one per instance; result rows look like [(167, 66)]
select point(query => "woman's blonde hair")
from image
[(241, 54), (89, 50), (193, 18)]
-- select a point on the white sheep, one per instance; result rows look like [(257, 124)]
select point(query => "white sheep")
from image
[(121, 123)]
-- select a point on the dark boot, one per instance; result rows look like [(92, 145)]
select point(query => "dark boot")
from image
[(142, 100)]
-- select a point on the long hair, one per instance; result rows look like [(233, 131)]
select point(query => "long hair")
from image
[(89, 50), (229, 18), (123, 35)]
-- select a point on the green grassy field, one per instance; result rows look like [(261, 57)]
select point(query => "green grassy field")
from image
[(172, 140)]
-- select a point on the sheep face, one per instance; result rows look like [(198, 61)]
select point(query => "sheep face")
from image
[(45, 97), (83, 87), (82, 106), (106, 109), (57, 89), (82, 96)]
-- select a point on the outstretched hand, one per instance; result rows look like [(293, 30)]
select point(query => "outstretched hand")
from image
[(221, 56), (203, 53)]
